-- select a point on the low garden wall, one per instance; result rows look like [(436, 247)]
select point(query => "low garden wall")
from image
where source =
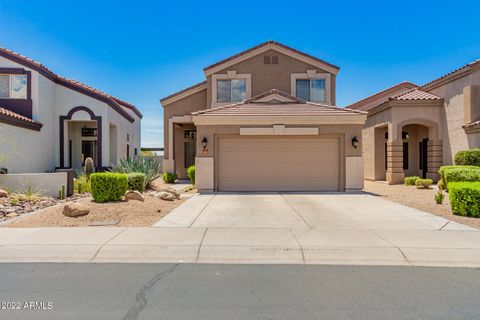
[(44, 183)]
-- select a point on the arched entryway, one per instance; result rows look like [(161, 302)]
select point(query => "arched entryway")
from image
[(80, 137), (412, 148)]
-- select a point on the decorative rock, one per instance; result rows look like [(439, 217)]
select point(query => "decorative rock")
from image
[(134, 195), (167, 196), (3, 193), (12, 215), (175, 193), (75, 210)]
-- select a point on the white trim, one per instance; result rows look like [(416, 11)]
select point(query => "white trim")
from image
[(274, 97), (278, 130), (332, 118), (183, 94), (309, 75), (274, 47), (230, 75)]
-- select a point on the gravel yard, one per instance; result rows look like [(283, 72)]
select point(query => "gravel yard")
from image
[(421, 199)]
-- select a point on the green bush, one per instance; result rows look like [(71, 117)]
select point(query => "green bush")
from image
[(136, 181), (423, 183), (439, 197), (191, 174), (465, 198), (468, 157), (461, 175), (81, 184), (169, 177), (440, 185), (149, 167), (443, 169), (410, 181), (108, 186)]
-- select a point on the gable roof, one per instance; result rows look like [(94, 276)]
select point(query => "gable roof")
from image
[(15, 119), (463, 70), (382, 96), (274, 45), (112, 101), (294, 107), (184, 93)]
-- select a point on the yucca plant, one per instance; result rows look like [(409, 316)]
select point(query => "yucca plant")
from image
[(149, 167)]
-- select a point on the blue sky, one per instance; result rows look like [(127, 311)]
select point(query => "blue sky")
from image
[(142, 51)]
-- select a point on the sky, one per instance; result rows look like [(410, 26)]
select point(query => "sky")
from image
[(141, 51)]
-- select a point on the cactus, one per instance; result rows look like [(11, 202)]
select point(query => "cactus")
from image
[(61, 193), (88, 167)]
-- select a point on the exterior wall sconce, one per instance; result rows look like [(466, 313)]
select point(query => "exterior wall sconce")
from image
[(355, 142), (204, 145), (405, 135)]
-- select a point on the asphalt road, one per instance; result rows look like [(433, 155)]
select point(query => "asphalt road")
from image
[(196, 291)]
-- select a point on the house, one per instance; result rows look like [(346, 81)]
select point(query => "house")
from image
[(48, 121), (413, 130), (265, 120)]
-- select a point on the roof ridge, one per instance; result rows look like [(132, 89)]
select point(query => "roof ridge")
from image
[(471, 64), (403, 83)]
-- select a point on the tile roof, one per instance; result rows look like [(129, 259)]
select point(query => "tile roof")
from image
[(465, 68), (264, 44), (415, 94), (471, 124), (382, 96), (184, 90), (73, 84), (13, 118)]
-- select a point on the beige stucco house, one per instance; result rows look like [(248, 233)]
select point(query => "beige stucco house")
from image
[(47, 121), (413, 130), (265, 120)]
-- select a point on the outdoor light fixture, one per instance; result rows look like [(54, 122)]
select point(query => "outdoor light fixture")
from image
[(204, 144), (355, 142)]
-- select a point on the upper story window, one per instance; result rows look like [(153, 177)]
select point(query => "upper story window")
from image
[(312, 86), (13, 86), (234, 90), (311, 89)]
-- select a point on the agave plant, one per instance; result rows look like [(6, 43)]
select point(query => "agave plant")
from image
[(149, 167)]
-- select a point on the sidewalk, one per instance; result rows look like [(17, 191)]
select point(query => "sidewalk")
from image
[(242, 245)]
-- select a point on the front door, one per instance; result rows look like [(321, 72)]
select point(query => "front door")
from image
[(89, 148)]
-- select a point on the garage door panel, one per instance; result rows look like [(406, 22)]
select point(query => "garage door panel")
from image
[(278, 164)]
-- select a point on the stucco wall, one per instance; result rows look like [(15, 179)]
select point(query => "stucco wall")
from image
[(454, 137), (43, 183), (270, 76)]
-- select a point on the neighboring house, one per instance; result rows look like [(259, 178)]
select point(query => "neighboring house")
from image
[(413, 130), (265, 120), (47, 121)]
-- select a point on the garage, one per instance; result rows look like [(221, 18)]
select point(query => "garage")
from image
[(279, 163)]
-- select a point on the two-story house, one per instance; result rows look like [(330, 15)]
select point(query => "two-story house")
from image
[(265, 120), (47, 121), (413, 130)]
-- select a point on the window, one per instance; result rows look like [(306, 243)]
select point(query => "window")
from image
[(405, 156), (231, 90), (274, 59), (266, 60), (311, 89), (13, 86), (189, 154)]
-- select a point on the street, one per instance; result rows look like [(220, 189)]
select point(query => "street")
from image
[(201, 291)]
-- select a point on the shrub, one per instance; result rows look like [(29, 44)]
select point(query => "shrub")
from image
[(82, 184), (191, 174), (423, 183), (108, 186), (465, 198), (468, 157), (410, 181), (149, 167), (439, 197), (136, 181), (440, 185), (169, 177), (460, 174), (443, 169)]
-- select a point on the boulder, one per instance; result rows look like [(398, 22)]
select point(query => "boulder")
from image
[(134, 195), (174, 192), (167, 196), (75, 210), (3, 193)]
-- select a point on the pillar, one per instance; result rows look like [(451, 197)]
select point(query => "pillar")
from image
[(395, 173), (434, 159)]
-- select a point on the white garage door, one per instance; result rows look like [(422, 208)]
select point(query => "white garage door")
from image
[(278, 164)]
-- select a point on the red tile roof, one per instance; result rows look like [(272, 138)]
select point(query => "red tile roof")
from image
[(471, 124), (451, 75), (72, 84), (264, 44), (13, 118), (415, 94), (382, 96)]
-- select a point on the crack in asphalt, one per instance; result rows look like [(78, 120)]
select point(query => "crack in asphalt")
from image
[(141, 298)]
